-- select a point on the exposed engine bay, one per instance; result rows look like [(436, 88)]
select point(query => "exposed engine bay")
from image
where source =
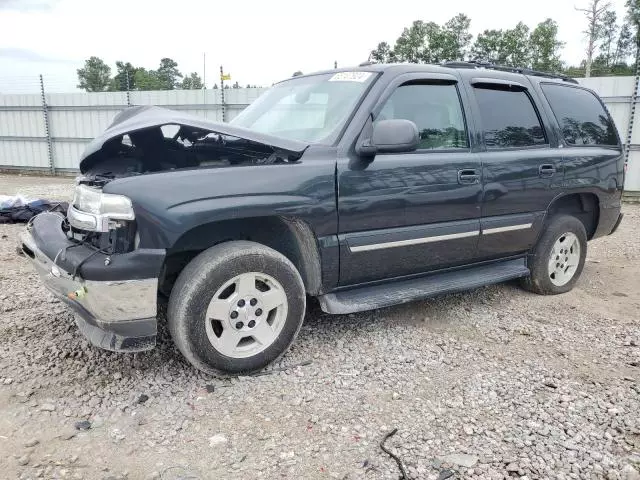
[(171, 147)]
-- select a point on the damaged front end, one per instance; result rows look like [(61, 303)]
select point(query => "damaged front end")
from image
[(92, 258), (146, 140)]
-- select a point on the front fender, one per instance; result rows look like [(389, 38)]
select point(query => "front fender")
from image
[(169, 204)]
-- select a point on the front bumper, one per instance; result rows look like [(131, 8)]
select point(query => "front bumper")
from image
[(116, 307)]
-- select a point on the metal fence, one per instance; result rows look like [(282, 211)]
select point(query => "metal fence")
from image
[(49, 131)]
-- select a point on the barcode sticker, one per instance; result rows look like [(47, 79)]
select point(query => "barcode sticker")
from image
[(350, 77)]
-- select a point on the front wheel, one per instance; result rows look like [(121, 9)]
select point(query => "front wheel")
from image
[(557, 260), (236, 307)]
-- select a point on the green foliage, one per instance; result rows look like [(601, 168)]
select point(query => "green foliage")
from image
[(488, 47), (428, 42), (382, 54), (516, 46), (545, 47), (125, 78), (456, 37), (148, 80), (192, 82), (168, 74), (608, 35), (95, 76)]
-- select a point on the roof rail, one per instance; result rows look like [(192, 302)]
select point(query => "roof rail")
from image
[(503, 68)]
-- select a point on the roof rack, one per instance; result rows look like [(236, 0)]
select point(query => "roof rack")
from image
[(503, 68)]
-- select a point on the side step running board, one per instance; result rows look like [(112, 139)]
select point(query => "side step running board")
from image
[(402, 291)]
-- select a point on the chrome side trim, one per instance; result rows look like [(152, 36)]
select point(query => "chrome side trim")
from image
[(413, 241), (510, 228)]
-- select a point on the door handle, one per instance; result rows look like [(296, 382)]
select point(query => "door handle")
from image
[(468, 177), (546, 170)]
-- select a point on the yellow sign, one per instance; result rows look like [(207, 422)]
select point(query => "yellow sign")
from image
[(226, 76)]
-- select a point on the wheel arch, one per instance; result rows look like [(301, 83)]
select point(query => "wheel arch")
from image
[(290, 236), (585, 206)]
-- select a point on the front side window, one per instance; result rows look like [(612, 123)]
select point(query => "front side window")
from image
[(312, 109), (509, 119), (436, 111), (582, 118)]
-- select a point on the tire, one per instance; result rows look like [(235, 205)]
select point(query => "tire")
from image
[(563, 233), (213, 288)]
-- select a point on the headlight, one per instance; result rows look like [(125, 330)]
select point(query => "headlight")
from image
[(93, 210), (92, 200)]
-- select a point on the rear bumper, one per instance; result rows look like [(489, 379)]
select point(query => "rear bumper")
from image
[(116, 314)]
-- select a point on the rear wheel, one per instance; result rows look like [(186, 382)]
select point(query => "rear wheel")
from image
[(558, 259), (236, 307)]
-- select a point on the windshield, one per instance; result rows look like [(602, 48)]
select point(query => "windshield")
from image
[(312, 109)]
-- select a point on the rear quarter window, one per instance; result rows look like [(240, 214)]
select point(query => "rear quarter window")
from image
[(582, 118)]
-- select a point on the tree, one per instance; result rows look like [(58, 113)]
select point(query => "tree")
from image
[(624, 45), (148, 80), (215, 86), (488, 46), (168, 74), (382, 53), (505, 47), (594, 14), (95, 76), (633, 19), (192, 82), (125, 78), (456, 38), (545, 47), (609, 34), (516, 49), (236, 85), (410, 46)]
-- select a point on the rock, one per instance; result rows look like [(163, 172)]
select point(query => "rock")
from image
[(630, 473), (83, 425), (217, 440), (31, 443), (23, 460), (460, 459), (512, 467), (395, 396), (142, 399), (47, 407)]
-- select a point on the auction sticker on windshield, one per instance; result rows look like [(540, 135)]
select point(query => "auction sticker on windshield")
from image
[(350, 77)]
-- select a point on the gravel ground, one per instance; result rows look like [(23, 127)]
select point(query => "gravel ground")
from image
[(495, 383)]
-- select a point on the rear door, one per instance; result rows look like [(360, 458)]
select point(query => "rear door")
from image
[(522, 166), (592, 153), (408, 213)]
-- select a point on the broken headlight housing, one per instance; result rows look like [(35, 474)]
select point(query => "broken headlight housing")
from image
[(96, 211)]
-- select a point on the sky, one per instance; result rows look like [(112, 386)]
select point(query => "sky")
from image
[(258, 42)]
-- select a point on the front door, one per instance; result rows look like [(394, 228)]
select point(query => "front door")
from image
[(409, 213)]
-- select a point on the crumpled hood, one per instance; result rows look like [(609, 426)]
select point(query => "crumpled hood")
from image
[(141, 117)]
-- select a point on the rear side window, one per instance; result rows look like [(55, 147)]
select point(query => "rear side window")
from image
[(509, 119), (582, 118), (436, 111)]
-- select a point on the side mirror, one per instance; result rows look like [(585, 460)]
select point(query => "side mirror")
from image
[(391, 136)]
